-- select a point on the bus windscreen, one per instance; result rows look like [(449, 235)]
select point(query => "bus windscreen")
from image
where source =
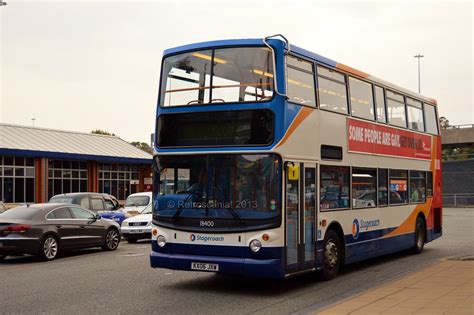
[(227, 75), (220, 186)]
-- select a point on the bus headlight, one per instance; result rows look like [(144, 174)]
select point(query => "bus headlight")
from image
[(161, 240), (255, 245)]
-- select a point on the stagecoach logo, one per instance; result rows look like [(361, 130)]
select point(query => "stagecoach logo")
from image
[(204, 238), (355, 229), (363, 225)]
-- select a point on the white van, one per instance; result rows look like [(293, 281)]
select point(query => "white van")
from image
[(138, 202)]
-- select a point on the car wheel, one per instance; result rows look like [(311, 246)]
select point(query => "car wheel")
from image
[(49, 248), (132, 240), (2, 257), (332, 255), (112, 240), (419, 236)]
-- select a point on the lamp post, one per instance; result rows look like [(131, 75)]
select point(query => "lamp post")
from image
[(419, 57)]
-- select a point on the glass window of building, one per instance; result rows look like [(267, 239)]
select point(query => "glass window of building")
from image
[(380, 104), (364, 188), (334, 187), (66, 177), (431, 119), (417, 187), (398, 187), (300, 82), (396, 109), (119, 180), (362, 100), (332, 90), (17, 179), (383, 187), (415, 115), (174, 180)]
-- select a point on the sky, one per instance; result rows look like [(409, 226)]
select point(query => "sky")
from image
[(84, 65)]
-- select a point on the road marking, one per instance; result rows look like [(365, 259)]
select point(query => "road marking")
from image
[(132, 255)]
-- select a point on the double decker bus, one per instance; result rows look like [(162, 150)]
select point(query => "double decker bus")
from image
[(271, 160)]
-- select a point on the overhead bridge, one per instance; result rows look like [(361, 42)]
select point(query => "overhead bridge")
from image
[(459, 136)]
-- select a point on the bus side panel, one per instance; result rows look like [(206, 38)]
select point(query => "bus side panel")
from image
[(435, 224)]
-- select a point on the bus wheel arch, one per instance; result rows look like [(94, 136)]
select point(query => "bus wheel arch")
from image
[(333, 251)]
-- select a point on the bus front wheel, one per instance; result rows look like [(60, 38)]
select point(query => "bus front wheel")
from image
[(332, 255), (419, 236)]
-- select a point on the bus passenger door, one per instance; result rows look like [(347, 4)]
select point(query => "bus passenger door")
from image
[(300, 216)]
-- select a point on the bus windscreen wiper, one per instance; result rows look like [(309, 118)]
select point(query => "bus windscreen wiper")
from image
[(235, 215), (181, 207)]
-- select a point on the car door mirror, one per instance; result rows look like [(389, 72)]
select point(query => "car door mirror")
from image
[(94, 218)]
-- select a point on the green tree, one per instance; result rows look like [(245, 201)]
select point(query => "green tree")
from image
[(102, 132), (444, 123), (454, 153), (142, 146)]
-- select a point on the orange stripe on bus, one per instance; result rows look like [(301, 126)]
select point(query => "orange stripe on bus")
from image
[(408, 226), (351, 70), (302, 115)]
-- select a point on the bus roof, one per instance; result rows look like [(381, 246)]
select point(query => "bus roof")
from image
[(303, 53)]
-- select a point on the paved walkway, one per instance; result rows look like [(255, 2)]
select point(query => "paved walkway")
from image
[(444, 288)]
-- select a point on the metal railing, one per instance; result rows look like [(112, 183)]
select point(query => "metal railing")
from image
[(457, 156), (458, 200), (461, 126)]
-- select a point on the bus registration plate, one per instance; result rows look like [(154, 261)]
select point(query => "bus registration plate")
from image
[(204, 266)]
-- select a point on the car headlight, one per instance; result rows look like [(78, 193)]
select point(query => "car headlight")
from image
[(255, 245), (124, 223), (161, 240)]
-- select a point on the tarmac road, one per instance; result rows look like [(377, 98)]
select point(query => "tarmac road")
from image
[(92, 281)]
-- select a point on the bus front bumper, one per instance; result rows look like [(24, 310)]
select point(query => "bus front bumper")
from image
[(261, 268)]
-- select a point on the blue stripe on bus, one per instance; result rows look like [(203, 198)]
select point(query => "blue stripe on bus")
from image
[(266, 268), (367, 236), (314, 56), (290, 114), (268, 262), (219, 250), (284, 116), (378, 247), (247, 42), (215, 44)]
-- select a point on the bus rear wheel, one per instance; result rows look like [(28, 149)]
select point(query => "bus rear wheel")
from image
[(419, 236), (332, 255)]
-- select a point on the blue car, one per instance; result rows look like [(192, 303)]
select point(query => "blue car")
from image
[(116, 216), (104, 204)]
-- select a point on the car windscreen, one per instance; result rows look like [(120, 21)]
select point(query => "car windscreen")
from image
[(20, 213), (136, 201), (62, 199), (147, 210)]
